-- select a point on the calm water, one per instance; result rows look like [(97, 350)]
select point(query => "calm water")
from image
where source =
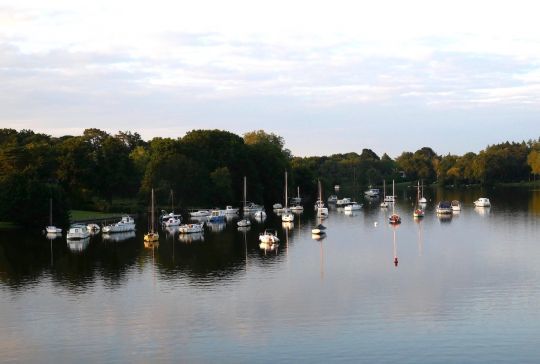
[(467, 289)]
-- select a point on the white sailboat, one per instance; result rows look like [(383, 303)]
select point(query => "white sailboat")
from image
[(152, 235), (51, 229), (394, 218), (422, 199), (244, 222), (172, 219), (287, 215), (384, 203), (322, 211), (296, 203), (418, 211)]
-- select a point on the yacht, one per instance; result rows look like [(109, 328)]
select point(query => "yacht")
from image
[(229, 210), (217, 215), (51, 228), (456, 206), (482, 202), (245, 221), (268, 240), (322, 211), (372, 192), (444, 207), (353, 206), (77, 232), (277, 206), (191, 228), (343, 202), (394, 219), (252, 207), (125, 224), (199, 213), (332, 199), (319, 229), (287, 215), (172, 219)]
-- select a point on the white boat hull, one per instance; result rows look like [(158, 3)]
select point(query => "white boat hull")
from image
[(191, 228)]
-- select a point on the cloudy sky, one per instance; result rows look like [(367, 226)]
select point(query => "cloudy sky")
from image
[(329, 76)]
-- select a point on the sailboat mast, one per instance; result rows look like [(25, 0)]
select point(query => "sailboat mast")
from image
[(394, 196), (286, 196), (50, 211), (245, 191), (152, 212)]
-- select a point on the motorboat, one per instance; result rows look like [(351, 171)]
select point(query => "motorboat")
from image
[(125, 224), (199, 213), (191, 228), (343, 202), (443, 208), (172, 219), (269, 236), (260, 214), (93, 228), (353, 206), (482, 202), (418, 212), (77, 232), (243, 223), (252, 207), (319, 229), (372, 192), (297, 208), (277, 206), (217, 215), (456, 206), (229, 210), (332, 199)]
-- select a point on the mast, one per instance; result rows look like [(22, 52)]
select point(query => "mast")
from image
[(394, 197), (152, 212), (245, 191), (418, 193), (384, 187), (172, 201), (298, 191), (286, 196), (50, 211)]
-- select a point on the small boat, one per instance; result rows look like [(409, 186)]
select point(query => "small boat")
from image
[(217, 215), (77, 232), (384, 204), (51, 228), (390, 199), (332, 199), (354, 206), (199, 213), (456, 205), (244, 222), (482, 202), (319, 229), (372, 192), (125, 224), (252, 207), (343, 202), (322, 211), (191, 228), (287, 215), (229, 210), (277, 206), (443, 208), (171, 219), (394, 218), (269, 236), (93, 228), (418, 211), (297, 208), (152, 235), (260, 214), (296, 202), (422, 199)]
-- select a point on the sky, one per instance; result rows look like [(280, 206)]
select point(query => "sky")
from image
[(328, 76)]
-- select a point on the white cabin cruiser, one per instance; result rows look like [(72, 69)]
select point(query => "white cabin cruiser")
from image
[(443, 208), (199, 213), (372, 192), (229, 210), (77, 232), (191, 228), (482, 202), (125, 224), (456, 206), (353, 206)]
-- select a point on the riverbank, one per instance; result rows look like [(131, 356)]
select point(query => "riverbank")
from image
[(83, 215)]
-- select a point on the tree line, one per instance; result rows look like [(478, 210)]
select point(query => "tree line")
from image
[(206, 168)]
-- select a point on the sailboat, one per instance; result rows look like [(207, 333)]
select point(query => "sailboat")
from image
[(422, 199), (418, 211), (384, 203), (394, 218), (322, 211), (353, 205), (296, 207), (51, 229), (244, 222), (152, 235), (287, 215), (172, 219)]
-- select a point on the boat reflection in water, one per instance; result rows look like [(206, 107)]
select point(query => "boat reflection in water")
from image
[(483, 211), (77, 246), (190, 238), (216, 227), (117, 237), (172, 230), (288, 225), (151, 244), (444, 217), (52, 236)]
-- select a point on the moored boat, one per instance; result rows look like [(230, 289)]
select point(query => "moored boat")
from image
[(443, 208), (77, 232), (482, 202), (125, 224), (456, 205)]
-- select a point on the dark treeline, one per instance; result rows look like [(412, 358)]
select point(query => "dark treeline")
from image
[(206, 168)]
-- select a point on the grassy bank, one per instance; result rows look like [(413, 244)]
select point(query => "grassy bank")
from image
[(5, 225), (81, 215)]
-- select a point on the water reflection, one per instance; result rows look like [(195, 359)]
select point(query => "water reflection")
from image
[(118, 237), (482, 211), (78, 246), (190, 238)]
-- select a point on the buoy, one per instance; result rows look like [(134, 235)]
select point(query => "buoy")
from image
[(395, 261), (375, 223)]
